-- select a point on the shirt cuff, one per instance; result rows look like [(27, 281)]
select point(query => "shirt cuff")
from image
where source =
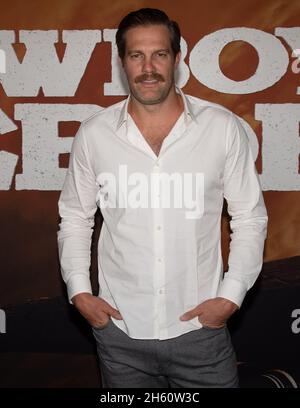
[(78, 284), (233, 290)]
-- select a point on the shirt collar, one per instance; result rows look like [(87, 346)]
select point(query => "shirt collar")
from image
[(187, 106), (123, 113)]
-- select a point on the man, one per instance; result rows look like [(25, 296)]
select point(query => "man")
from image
[(159, 165)]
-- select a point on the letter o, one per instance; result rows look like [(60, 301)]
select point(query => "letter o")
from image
[(273, 60)]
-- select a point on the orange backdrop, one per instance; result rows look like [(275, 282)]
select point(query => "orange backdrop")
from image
[(29, 218)]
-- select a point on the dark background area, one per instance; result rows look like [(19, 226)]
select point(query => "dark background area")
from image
[(48, 343)]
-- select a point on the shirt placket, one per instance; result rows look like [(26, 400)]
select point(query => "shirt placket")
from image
[(159, 256)]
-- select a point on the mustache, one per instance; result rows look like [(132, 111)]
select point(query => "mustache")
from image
[(147, 77)]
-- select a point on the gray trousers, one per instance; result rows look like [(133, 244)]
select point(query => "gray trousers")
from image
[(203, 358)]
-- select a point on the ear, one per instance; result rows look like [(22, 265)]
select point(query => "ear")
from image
[(177, 59)]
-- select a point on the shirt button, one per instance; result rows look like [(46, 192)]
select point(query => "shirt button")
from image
[(159, 260), (158, 227), (161, 291)]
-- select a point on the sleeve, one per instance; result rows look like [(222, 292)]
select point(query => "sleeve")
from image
[(77, 207), (246, 207)]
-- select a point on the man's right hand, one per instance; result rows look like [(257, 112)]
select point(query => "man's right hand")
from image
[(94, 309)]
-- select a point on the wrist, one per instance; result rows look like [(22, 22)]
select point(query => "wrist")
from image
[(228, 304), (81, 298)]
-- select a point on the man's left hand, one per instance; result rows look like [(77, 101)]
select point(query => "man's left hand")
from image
[(212, 313)]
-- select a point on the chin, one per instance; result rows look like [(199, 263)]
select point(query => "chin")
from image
[(155, 99), (150, 101)]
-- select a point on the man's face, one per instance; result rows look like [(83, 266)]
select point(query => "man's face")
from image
[(149, 63)]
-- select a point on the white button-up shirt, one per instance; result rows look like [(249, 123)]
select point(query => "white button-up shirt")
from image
[(159, 251)]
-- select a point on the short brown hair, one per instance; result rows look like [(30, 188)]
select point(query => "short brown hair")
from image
[(144, 17)]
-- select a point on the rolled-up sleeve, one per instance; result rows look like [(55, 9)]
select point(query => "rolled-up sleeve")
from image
[(77, 207), (246, 207)]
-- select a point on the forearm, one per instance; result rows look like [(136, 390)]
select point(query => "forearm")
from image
[(246, 253), (74, 243)]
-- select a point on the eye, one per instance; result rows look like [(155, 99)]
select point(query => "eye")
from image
[(135, 56), (162, 54)]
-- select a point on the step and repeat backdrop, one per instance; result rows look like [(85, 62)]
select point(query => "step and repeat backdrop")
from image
[(59, 65)]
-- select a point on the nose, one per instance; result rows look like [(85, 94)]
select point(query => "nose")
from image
[(148, 66)]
